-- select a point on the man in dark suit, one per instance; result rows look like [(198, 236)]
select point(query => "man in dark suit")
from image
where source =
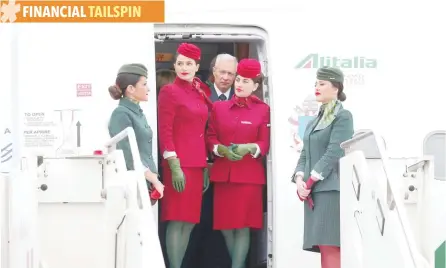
[(224, 72), (207, 248)]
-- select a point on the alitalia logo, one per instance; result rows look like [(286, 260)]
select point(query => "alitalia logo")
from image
[(316, 61)]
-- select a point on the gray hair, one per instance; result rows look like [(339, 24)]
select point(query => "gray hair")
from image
[(223, 57)]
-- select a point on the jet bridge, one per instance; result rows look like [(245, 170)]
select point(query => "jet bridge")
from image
[(391, 209)]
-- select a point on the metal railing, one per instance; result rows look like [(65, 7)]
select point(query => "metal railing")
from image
[(394, 202), (139, 200), (137, 163)]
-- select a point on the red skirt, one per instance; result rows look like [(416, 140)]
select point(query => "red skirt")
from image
[(238, 205), (184, 206)]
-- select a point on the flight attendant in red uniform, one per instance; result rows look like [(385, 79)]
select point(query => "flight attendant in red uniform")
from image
[(183, 110), (238, 134)]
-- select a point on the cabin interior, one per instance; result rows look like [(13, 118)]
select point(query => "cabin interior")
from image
[(165, 52)]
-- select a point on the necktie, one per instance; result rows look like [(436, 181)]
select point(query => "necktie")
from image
[(222, 97)]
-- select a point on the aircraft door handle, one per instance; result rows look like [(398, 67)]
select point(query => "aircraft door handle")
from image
[(43, 187)]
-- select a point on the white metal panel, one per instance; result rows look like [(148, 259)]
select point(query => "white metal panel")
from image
[(85, 54), (72, 235), (75, 181)]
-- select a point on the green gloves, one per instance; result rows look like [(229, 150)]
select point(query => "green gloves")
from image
[(205, 179), (244, 149), (228, 152), (178, 179), (236, 152)]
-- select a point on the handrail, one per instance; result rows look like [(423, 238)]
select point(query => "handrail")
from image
[(117, 240), (137, 163), (394, 203), (130, 133), (346, 144), (140, 180), (402, 217), (416, 166)]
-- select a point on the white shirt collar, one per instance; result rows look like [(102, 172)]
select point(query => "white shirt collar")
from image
[(219, 92)]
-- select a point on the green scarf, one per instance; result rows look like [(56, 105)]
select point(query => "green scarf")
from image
[(330, 109)]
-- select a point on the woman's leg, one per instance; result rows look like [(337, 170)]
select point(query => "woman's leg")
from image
[(241, 247), (330, 256), (229, 239), (177, 239), (237, 241)]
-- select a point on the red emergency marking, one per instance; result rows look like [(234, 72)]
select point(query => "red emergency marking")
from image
[(97, 152), (83, 90)]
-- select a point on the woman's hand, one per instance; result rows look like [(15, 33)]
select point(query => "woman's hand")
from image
[(228, 152), (153, 179), (302, 190), (244, 149), (159, 186)]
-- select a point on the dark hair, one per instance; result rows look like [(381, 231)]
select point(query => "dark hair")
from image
[(259, 80), (123, 80), (176, 56), (164, 77), (340, 87)]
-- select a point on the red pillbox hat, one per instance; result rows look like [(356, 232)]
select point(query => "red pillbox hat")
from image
[(189, 50), (249, 68)]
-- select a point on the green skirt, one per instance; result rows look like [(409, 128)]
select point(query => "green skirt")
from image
[(322, 224)]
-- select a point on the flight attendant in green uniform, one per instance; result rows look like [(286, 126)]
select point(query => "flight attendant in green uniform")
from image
[(131, 89), (317, 171)]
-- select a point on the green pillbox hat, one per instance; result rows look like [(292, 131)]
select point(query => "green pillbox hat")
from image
[(133, 68), (331, 74)]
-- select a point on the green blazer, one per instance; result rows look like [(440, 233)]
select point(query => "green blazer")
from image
[(321, 152), (130, 114)]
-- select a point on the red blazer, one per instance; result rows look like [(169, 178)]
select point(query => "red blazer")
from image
[(182, 115), (230, 123)]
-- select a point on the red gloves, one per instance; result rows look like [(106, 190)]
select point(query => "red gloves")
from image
[(309, 184), (154, 195)]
